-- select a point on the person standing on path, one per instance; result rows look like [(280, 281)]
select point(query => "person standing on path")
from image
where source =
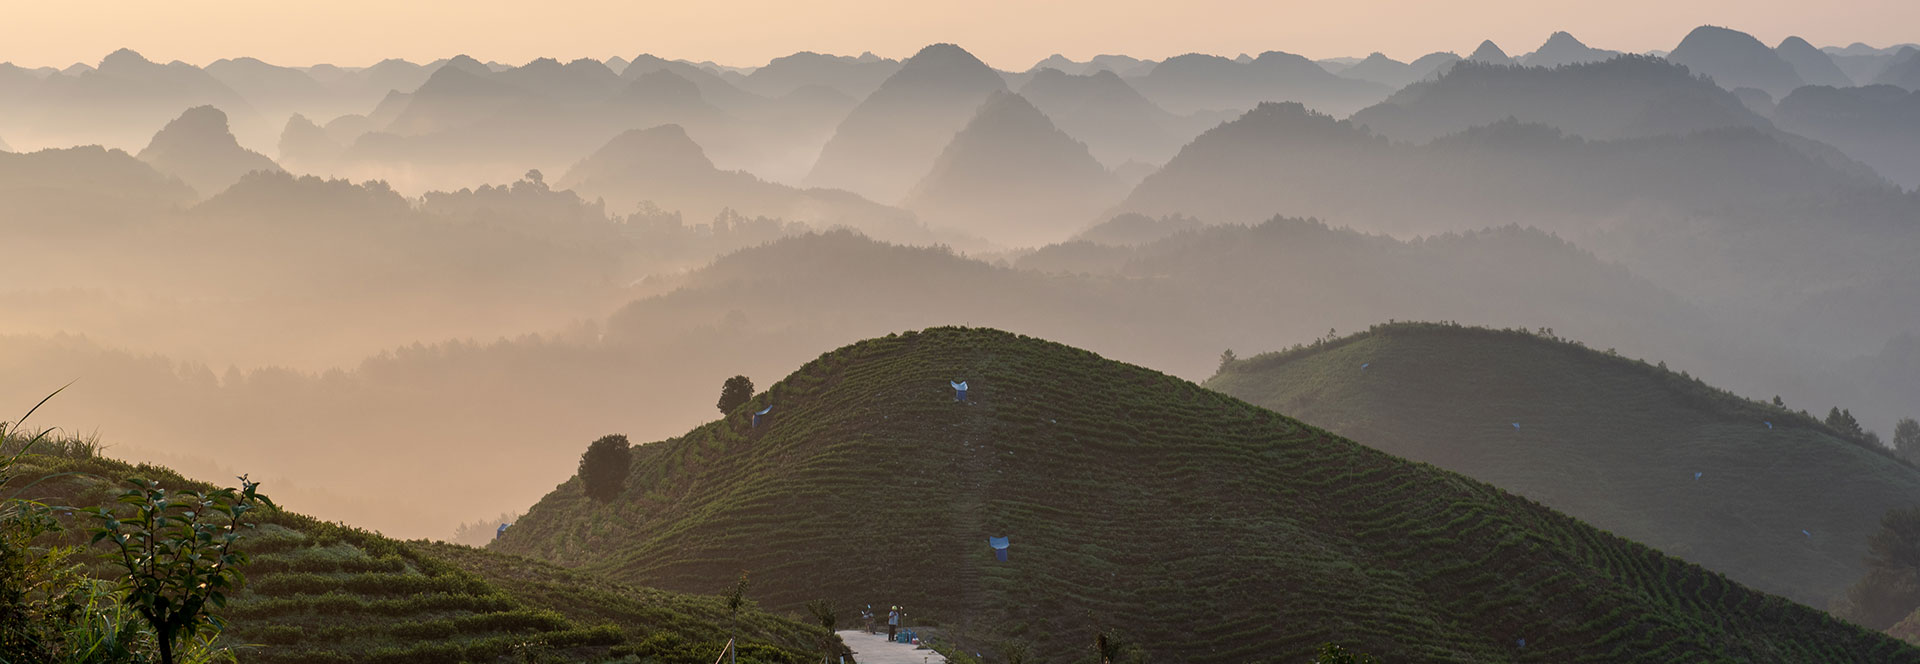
[(893, 622), (866, 616)]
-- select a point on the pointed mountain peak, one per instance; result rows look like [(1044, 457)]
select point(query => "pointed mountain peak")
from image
[(1562, 39), (1490, 52), (666, 144), (942, 56)]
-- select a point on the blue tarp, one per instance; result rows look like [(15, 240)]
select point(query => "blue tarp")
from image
[(1363, 367), (1808, 534), (997, 542), (1769, 425), (763, 411), (959, 390), (502, 530), (1516, 425), (1696, 476)]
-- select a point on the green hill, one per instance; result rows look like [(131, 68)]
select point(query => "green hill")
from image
[(1613, 441), (318, 592), (1198, 526)]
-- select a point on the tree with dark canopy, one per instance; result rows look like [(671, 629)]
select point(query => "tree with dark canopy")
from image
[(1890, 591), (1906, 439), (603, 468), (737, 391)]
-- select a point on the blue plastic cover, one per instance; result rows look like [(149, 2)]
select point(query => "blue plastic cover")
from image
[(997, 542), (766, 410)]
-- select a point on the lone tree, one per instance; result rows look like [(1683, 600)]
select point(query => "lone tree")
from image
[(1890, 590), (603, 468), (1842, 420), (737, 391), (1906, 439)]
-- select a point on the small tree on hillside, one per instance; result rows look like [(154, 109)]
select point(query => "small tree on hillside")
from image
[(1890, 590), (736, 599), (604, 466), (1227, 358), (1906, 439), (1842, 421), (824, 614), (737, 391)]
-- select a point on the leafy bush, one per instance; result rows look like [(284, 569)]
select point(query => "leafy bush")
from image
[(737, 391), (603, 468)]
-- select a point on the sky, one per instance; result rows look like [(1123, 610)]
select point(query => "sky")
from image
[(1008, 35)]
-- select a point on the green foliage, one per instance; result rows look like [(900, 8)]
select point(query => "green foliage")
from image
[(1906, 439), (1334, 654), (603, 467), (178, 551), (1843, 422), (737, 391), (1614, 441), (1194, 522)]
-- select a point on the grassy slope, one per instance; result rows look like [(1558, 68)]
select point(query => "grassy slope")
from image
[(321, 592), (1202, 527), (1613, 441)]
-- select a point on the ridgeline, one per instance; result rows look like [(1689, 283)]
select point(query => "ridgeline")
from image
[(1194, 525)]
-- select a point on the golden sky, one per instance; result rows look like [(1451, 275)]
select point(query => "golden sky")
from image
[(1009, 35)]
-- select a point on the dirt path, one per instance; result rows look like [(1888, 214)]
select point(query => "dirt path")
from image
[(874, 649)]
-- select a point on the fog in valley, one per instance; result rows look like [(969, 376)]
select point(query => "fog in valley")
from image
[(408, 294)]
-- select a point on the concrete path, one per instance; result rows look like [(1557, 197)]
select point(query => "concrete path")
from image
[(874, 649)]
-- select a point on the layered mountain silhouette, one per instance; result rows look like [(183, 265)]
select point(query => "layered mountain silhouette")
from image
[(1624, 97), (1011, 176), (198, 148), (851, 76), (891, 139), (1392, 73), (1405, 389), (665, 167), (79, 188), (1199, 82), (1632, 200), (1812, 65), (1561, 49), (1145, 505), (1902, 70), (1877, 124), (1734, 59), (118, 102), (1117, 122), (1489, 53)]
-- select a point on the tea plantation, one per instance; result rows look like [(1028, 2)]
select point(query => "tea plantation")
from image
[(1194, 525), (322, 593), (1613, 441)]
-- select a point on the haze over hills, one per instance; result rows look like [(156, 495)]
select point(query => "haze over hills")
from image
[(1735, 59), (1094, 471), (1812, 65), (1877, 124), (664, 167), (1012, 177), (852, 76), (119, 103), (1561, 49), (1394, 74), (1490, 54), (1198, 82), (1682, 211), (1613, 441), (891, 139), (197, 148), (1117, 123), (1903, 70), (1623, 97)]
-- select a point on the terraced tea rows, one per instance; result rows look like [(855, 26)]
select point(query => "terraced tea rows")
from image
[(1200, 527), (321, 593), (1614, 441)]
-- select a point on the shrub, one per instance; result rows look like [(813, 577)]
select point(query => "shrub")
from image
[(737, 391), (603, 468)]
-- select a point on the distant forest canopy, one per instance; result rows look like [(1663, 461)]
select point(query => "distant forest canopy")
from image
[(396, 249)]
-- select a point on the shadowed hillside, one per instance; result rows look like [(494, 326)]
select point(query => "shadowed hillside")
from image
[(891, 139), (1613, 441), (1199, 527), (322, 593)]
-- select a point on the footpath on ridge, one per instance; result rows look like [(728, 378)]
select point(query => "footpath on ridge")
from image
[(874, 649)]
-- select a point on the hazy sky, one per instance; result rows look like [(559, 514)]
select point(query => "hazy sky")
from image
[(1009, 35)]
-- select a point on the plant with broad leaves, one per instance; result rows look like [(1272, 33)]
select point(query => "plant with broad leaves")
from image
[(178, 550)]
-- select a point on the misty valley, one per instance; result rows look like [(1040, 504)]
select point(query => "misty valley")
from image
[(1574, 354)]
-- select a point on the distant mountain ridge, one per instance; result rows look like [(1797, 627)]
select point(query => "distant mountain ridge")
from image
[(890, 140)]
